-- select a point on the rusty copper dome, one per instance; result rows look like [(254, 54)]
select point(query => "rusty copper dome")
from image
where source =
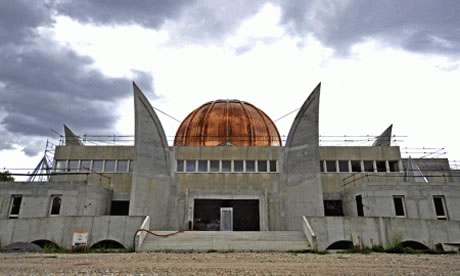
[(227, 122)]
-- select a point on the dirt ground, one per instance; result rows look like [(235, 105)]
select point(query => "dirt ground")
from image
[(228, 264)]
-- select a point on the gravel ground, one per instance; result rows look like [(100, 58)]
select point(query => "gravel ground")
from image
[(228, 264)]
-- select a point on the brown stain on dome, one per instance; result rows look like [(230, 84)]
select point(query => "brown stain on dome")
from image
[(227, 122)]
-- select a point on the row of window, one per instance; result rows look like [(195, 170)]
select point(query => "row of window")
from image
[(399, 203), (351, 166), (94, 165), (16, 200), (227, 166), (117, 208)]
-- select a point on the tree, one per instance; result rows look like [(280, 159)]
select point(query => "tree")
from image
[(6, 177)]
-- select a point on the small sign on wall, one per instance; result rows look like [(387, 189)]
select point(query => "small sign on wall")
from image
[(80, 240)]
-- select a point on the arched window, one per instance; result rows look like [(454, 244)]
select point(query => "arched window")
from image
[(55, 207)]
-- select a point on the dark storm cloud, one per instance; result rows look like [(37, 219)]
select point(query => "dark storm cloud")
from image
[(415, 25), (147, 13), (45, 88), (18, 19), (43, 84)]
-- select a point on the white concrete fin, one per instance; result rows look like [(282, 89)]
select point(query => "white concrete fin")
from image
[(151, 183), (413, 172), (144, 112), (384, 139), (303, 193), (306, 122), (70, 138)]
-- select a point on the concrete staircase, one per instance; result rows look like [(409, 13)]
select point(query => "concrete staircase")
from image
[(227, 241)]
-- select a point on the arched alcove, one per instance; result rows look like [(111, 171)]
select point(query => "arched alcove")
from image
[(107, 244), (340, 245)]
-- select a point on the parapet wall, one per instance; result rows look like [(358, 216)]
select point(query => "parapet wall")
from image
[(386, 232), (60, 230)]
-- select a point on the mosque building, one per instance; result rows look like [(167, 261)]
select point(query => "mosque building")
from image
[(229, 182)]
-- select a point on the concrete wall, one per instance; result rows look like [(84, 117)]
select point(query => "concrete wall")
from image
[(60, 229), (119, 182), (94, 152), (378, 199), (383, 231), (261, 186), (78, 198), (359, 153)]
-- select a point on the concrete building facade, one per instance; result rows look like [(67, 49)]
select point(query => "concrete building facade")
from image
[(240, 188)]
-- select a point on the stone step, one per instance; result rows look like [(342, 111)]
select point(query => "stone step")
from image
[(227, 241)]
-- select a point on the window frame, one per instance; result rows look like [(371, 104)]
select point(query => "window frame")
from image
[(110, 161), (12, 206), (360, 166), (213, 169), (330, 162), (403, 205), (98, 170), (240, 169), (51, 206), (201, 162), (339, 162), (442, 199), (224, 168), (117, 169), (58, 168), (254, 168)]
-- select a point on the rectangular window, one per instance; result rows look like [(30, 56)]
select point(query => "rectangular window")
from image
[(262, 166), (15, 206), (394, 166), (399, 203), (343, 166), (203, 165), (61, 165), (131, 165), (273, 166), (180, 166), (226, 165), (238, 166), (119, 208), (381, 166), (368, 166), (440, 207), (333, 208), (250, 166), (331, 166), (73, 165), (359, 206), (355, 166), (122, 166), (97, 165), (190, 165), (55, 205), (85, 165), (321, 166), (215, 165), (109, 166)]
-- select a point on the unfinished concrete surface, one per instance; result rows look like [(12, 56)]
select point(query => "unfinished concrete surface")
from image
[(60, 230), (302, 193), (387, 232)]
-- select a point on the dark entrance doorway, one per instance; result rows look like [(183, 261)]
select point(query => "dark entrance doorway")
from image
[(207, 214)]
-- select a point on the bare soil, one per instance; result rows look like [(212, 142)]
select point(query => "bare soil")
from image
[(228, 264)]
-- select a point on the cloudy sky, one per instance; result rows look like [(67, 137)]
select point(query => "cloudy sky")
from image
[(380, 63)]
